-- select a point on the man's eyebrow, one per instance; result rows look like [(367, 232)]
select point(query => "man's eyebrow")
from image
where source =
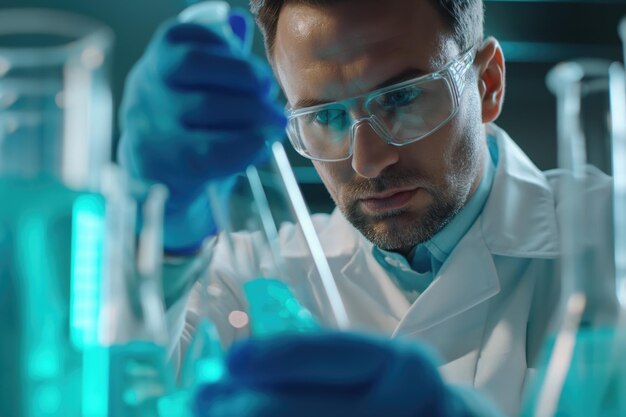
[(310, 102), (405, 75), (398, 78)]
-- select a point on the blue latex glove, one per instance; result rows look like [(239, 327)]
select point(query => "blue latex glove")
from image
[(334, 374), (197, 106)]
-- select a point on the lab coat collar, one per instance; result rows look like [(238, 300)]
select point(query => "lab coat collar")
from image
[(519, 217), (469, 279)]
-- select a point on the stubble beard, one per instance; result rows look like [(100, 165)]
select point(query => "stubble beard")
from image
[(400, 230)]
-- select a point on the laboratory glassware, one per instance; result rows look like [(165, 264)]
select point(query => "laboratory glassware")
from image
[(267, 274), (133, 309), (290, 288), (260, 200), (622, 34), (54, 96), (583, 370), (619, 172), (270, 299), (55, 124)]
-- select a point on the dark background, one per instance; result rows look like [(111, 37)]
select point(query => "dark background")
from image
[(535, 35)]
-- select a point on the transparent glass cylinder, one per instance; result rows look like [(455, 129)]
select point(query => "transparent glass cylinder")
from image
[(584, 366), (622, 34), (132, 317), (55, 124), (619, 172), (589, 129)]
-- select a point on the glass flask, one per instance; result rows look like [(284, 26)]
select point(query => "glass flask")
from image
[(583, 371), (263, 293), (265, 209), (55, 127)]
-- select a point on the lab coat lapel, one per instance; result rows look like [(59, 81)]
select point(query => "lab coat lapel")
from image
[(372, 300), (520, 219), (451, 314), (469, 279)]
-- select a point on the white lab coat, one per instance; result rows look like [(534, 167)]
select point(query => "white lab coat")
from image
[(486, 311)]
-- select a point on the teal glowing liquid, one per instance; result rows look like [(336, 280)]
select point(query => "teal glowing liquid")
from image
[(53, 362), (51, 240), (274, 309), (139, 377), (594, 382)]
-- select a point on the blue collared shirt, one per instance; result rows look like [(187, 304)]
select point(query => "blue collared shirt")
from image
[(429, 256)]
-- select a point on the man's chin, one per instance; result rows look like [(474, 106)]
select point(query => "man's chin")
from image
[(399, 230), (391, 231)]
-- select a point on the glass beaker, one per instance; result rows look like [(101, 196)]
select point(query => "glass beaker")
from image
[(583, 370), (133, 315), (55, 101), (55, 124)]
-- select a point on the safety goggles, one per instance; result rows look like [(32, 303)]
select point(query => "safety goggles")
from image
[(400, 114)]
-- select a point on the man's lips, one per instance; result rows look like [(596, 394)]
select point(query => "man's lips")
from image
[(389, 200)]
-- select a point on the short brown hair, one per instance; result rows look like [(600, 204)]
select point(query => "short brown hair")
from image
[(464, 17)]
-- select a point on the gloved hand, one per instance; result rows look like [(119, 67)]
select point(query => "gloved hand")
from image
[(334, 375), (197, 106)]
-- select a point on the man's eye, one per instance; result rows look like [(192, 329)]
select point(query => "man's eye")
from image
[(400, 98), (334, 118)]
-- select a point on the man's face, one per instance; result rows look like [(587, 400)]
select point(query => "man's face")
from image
[(396, 196)]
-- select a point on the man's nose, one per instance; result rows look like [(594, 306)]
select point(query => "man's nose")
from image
[(371, 154)]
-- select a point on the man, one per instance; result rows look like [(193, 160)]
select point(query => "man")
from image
[(448, 232)]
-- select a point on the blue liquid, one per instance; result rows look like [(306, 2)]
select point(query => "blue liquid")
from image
[(595, 384), (274, 309), (42, 369)]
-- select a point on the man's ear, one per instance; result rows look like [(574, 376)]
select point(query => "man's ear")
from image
[(491, 71)]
